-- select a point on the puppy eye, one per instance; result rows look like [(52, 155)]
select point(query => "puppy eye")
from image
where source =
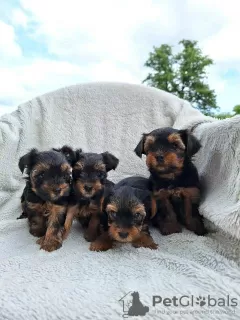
[(112, 215), (100, 175), (175, 145), (40, 176), (138, 218)]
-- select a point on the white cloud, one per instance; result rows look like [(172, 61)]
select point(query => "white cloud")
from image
[(110, 41), (36, 77), (100, 29), (8, 45), (19, 18)]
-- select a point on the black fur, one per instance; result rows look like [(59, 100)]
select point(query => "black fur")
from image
[(48, 185), (90, 187), (166, 176), (129, 196)]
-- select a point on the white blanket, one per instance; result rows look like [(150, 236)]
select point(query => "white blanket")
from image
[(74, 283)]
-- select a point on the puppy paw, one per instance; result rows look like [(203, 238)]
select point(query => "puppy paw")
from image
[(100, 246), (170, 228), (49, 245), (197, 226), (151, 245), (40, 241), (145, 241)]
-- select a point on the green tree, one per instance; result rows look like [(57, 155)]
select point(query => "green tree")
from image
[(224, 115), (236, 109), (183, 74)]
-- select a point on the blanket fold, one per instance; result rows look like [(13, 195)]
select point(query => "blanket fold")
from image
[(74, 283)]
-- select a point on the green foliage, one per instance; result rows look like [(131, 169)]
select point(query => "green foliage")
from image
[(183, 74), (224, 115), (236, 109)]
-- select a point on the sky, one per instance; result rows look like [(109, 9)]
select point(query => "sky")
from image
[(46, 45)]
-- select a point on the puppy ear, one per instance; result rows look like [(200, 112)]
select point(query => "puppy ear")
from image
[(110, 161), (139, 150), (141, 194), (28, 160), (68, 152), (192, 144), (78, 154)]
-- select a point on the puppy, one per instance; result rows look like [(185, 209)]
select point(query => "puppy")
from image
[(90, 185), (127, 213), (45, 196), (174, 180)]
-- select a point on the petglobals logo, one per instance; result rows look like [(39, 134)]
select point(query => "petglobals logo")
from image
[(132, 305), (192, 301)]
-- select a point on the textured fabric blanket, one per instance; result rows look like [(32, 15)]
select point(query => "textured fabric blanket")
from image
[(188, 277)]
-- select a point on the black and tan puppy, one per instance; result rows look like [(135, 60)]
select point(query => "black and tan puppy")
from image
[(90, 185), (174, 180), (127, 214), (45, 196)]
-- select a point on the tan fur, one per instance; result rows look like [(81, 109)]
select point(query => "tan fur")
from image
[(102, 243), (66, 167), (151, 160), (140, 209), (133, 233), (40, 167), (100, 166), (176, 138), (79, 165), (52, 240), (72, 212), (97, 186), (112, 207), (153, 207), (146, 241), (148, 141)]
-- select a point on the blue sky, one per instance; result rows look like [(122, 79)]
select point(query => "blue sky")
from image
[(45, 45)]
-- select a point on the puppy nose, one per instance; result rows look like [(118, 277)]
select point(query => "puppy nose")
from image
[(160, 158), (123, 234), (88, 188)]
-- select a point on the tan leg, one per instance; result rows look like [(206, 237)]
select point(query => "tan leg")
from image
[(71, 213), (145, 241), (53, 237), (103, 243), (91, 232)]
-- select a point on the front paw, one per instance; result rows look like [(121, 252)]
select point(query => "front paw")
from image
[(167, 228), (100, 246), (49, 245), (197, 226), (150, 245), (145, 241), (90, 235)]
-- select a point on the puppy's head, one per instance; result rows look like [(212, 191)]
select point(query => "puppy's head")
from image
[(166, 149), (90, 172), (49, 172), (126, 214)]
